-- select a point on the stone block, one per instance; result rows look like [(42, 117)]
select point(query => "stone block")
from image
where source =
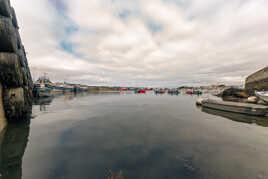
[(10, 70), (28, 98), (22, 58), (5, 8), (14, 103), (8, 37), (19, 43), (14, 18), (3, 121)]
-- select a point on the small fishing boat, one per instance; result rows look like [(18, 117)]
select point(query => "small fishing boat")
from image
[(142, 91), (159, 91), (174, 92), (59, 87), (262, 95), (42, 87), (236, 107), (42, 90), (122, 89), (189, 92), (197, 92)]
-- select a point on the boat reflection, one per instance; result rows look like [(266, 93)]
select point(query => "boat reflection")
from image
[(43, 102), (13, 142), (261, 121)]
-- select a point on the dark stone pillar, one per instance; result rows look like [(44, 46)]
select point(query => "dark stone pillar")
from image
[(15, 76)]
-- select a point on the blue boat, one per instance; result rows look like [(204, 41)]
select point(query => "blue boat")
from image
[(197, 92), (42, 87), (174, 92), (42, 90)]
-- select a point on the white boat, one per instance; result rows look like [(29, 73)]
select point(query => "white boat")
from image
[(262, 95), (242, 108)]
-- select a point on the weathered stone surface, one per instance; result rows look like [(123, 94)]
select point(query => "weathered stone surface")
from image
[(257, 81), (3, 121), (15, 75), (25, 67), (25, 76), (28, 99), (5, 8), (14, 103), (14, 18), (8, 37), (19, 42), (10, 70)]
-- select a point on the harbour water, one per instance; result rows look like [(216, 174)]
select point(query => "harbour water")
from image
[(146, 136)]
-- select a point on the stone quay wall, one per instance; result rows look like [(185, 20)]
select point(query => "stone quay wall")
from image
[(257, 81), (15, 77)]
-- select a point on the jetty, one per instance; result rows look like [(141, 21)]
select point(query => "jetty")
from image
[(236, 107), (15, 77)]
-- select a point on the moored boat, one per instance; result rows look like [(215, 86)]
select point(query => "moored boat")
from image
[(243, 108), (159, 91), (142, 91), (41, 90), (197, 92), (174, 92), (189, 92), (42, 87), (59, 87), (262, 95), (122, 89)]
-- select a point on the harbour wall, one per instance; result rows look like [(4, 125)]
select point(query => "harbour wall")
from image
[(15, 77), (3, 121), (257, 81)]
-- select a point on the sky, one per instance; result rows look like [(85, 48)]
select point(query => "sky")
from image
[(152, 43)]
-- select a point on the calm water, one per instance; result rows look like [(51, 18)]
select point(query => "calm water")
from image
[(145, 136)]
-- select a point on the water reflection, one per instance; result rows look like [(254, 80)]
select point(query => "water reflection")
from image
[(13, 142), (261, 121), (138, 136), (43, 102)]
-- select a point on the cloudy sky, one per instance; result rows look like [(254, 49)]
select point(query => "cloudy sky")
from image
[(145, 42)]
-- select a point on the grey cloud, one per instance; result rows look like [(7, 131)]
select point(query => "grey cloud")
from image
[(200, 42)]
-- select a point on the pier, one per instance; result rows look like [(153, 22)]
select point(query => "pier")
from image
[(15, 78)]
